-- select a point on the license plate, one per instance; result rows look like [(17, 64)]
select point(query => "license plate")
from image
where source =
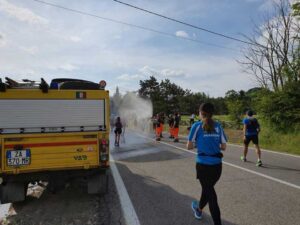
[(18, 157)]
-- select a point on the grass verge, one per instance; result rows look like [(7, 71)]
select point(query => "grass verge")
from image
[(268, 139)]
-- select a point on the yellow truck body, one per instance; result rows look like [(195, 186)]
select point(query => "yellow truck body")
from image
[(50, 135)]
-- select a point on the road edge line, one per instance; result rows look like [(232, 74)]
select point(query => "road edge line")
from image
[(129, 213), (233, 165)]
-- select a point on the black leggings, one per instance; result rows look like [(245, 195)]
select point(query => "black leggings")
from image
[(208, 176)]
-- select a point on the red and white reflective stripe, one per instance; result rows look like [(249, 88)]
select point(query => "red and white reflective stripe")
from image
[(52, 144)]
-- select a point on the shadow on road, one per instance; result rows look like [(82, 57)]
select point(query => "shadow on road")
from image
[(275, 167), (157, 203)]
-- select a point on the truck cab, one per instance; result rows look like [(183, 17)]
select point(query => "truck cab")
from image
[(53, 133)]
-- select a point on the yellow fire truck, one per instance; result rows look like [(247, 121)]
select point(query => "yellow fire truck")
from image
[(53, 133)]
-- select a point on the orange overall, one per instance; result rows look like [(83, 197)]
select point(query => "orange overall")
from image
[(176, 128)]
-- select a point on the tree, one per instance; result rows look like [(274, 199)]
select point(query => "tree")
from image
[(171, 95), (150, 89), (237, 103), (282, 109), (274, 48), (296, 8)]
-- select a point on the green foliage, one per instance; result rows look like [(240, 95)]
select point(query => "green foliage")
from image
[(168, 97), (220, 105), (285, 142), (282, 109), (150, 89), (296, 9), (237, 103)]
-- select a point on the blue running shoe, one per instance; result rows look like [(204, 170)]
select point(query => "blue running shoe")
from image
[(197, 212)]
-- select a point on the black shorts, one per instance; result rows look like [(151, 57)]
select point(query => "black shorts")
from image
[(118, 130), (253, 138), (208, 173)]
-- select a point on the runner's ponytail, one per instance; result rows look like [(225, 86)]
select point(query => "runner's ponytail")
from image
[(207, 110)]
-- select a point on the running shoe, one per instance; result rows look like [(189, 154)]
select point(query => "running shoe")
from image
[(176, 140), (243, 159), (259, 163), (197, 212)]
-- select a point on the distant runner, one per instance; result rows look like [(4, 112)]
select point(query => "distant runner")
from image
[(251, 130), (118, 131), (192, 119), (210, 139)]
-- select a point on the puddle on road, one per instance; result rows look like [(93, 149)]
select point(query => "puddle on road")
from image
[(133, 152)]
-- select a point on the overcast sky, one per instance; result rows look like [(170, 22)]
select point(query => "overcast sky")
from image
[(38, 40)]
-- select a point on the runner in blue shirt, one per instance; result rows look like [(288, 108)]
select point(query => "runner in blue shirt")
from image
[(251, 130), (210, 140)]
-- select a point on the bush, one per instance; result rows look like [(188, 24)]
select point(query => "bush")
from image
[(282, 109)]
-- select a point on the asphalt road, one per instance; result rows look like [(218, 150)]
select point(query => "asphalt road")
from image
[(161, 182)]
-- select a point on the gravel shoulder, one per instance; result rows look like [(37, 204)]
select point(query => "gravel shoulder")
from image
[(71, 206)]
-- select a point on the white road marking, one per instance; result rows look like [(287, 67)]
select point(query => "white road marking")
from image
[(264, 150), (269, 151), (129, 213), (232, 165)]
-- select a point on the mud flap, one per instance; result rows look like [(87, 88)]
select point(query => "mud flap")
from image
[(97, 184), (13, 192)]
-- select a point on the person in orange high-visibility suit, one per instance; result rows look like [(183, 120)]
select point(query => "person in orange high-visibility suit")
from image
[(158, 127), (176, 127)]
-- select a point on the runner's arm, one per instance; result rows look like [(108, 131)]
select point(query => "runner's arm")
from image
[(244, 130), (244, 127), (223, 146), (192, 136), (189, 145), (223, 140)]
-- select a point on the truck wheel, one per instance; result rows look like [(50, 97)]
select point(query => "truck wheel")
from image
[(98, 184), (13, 192)]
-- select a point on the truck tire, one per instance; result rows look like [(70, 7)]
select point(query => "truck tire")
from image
[(13, 192), (98, 184)]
